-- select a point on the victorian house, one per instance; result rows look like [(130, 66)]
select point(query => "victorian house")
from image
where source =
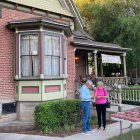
[(44, 52)]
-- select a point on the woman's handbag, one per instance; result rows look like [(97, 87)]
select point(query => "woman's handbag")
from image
[(107, 104)]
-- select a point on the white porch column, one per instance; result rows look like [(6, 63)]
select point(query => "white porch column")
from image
[(95, 63), (124, 65), (124, 68)]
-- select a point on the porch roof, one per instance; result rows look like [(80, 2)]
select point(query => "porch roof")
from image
[(83, 41)]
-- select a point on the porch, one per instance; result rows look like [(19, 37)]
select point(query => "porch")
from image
[(99, 61)]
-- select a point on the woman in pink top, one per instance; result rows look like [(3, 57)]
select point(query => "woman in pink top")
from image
[(101, 95)]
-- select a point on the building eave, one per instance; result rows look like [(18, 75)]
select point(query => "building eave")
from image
[(92, 46), (41, 22)]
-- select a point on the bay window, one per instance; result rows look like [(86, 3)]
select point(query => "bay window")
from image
[(29, 53)]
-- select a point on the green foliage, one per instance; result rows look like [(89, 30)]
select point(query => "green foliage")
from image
[(54, 115), (116, 21), (131, 103)]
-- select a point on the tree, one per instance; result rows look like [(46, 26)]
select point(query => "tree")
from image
[(115, 21)]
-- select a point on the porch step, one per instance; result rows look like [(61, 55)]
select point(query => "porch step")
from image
[(16, 126)]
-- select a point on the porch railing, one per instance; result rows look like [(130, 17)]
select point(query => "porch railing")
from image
[(108, 81), (131, 94), (115, 97)]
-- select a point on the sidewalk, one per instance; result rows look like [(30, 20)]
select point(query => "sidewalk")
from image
[(112, 130)]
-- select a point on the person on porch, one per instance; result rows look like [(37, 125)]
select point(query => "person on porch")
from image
[(101, 95), (85, 106)]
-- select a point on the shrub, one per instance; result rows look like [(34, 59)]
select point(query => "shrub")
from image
[(54, 115), (131, 103)]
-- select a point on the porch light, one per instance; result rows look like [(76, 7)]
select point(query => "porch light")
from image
[(76, 58)]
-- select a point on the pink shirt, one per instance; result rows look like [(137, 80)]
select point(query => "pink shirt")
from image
[(100, 92)]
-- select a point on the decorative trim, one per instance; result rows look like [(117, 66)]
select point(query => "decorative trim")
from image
[(52, 88), (0, 11), (11, 5), (17, 89), (63, 67), (41, 76), (124, 54), (41, 51), (16, 77), (30, 89), (64, 87), (17, 54)]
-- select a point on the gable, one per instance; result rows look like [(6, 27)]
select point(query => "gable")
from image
[(55, 6)]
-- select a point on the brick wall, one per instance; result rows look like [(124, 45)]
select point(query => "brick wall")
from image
[(71, 70), (7, 84)]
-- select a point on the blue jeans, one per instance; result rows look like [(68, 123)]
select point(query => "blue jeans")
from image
[(86, 115)]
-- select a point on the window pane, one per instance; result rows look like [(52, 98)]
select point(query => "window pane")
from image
[(34, 44), (52, 55), (25, 45), (55, 66), (48, 45), (47, 65), (35, 67), (56, 46), (26, 66), (30, 62)]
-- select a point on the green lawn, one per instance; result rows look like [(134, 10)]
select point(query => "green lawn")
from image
[(134, 86), (126, 136)]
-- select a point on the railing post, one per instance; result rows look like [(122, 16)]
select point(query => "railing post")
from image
[(120, 109)]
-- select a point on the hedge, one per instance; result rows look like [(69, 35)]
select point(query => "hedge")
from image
[(131, 103), (55, 115)]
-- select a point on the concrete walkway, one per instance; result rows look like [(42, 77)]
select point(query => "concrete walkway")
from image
[(112, 130)]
